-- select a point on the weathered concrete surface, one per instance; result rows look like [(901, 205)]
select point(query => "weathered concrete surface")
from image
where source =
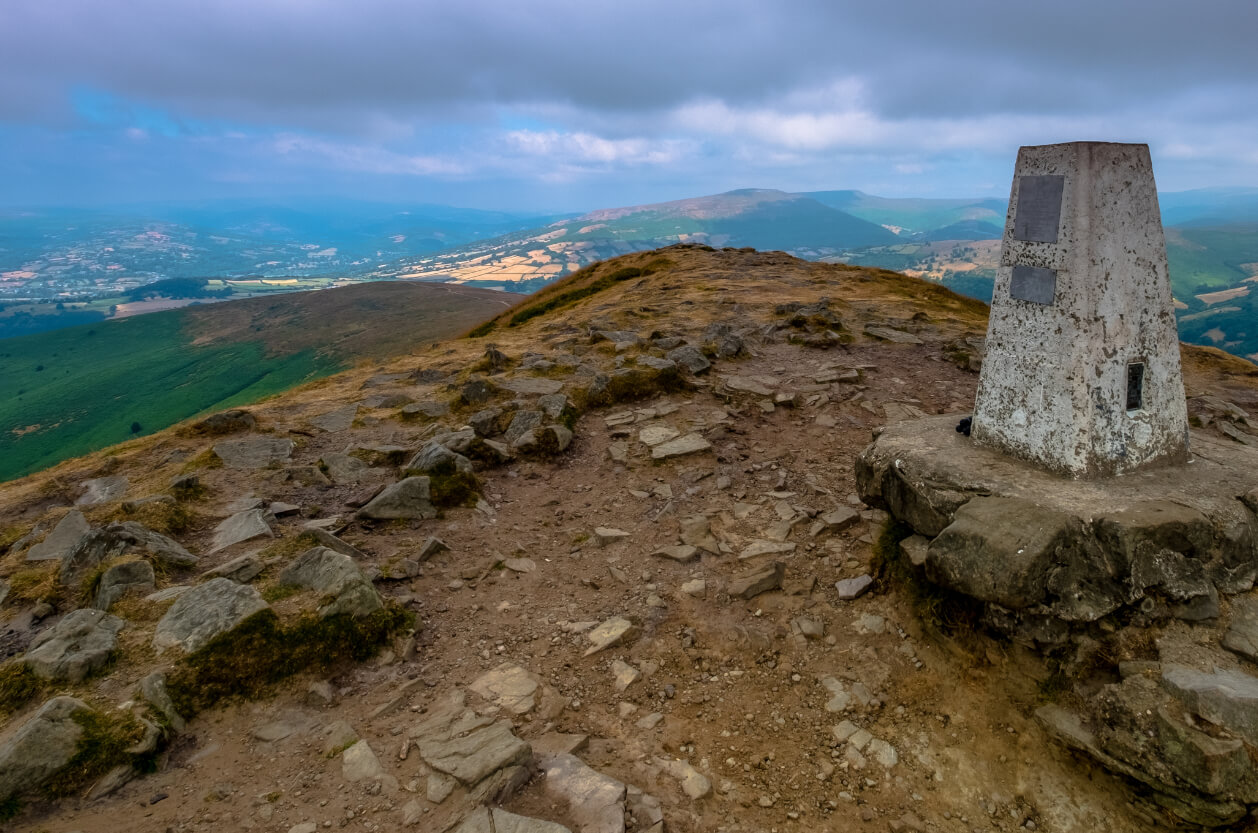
[(1082, 292), (1015, 535)]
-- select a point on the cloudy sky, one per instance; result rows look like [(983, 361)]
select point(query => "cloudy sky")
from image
[(578, 104)]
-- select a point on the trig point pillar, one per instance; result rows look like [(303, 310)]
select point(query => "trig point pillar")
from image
[(1082, 374)]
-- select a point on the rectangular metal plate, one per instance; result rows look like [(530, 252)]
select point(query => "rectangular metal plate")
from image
[(1034, 284), (1039, 208)]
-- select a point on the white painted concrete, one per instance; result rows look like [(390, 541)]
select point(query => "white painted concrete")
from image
[(1053, 389)]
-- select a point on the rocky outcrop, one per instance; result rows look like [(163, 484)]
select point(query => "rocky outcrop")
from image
[(255, 452), (41, 746), (121, 579)]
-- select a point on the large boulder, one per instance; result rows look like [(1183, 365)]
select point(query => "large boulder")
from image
[(121, 579), (41, 746), (79, 644), (342, 587), (522, 422), (545, 441), (406, 499), (256, 452), (206, 611), (691, 358)]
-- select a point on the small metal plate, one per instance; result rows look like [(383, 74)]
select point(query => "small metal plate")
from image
[(1034, 284), (1039, 208)]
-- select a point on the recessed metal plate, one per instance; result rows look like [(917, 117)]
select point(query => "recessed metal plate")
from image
[(1039, 208), (1034, 284)]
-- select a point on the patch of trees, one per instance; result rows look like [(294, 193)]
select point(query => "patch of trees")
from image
[(177, 288)]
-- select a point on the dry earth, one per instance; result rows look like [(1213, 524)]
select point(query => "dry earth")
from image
[(734, 686)]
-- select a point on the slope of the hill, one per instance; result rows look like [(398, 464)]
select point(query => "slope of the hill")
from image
[(760, 218), (75, 390), (635, 627)]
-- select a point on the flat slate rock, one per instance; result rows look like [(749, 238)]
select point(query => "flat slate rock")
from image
[(1225, 698), (74, 647), (467, 746), (763, 580), (255, 452), (614, 631), (510, 686), (161, 548), (688, 444), (889, 334), (531, 385), (63, 540), (345, 468), (243, 526), (596, 802), (1242, 636), (749, 384), (340, 419), (206, 611), (102, 490), (497, 820), (653, 435)]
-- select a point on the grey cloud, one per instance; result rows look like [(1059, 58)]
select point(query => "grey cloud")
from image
[(327, 64)]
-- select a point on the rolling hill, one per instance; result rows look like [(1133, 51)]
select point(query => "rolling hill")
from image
[(759, 218), (78, 389)]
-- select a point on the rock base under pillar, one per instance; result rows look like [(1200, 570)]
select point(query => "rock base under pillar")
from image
[(1045, 552), (1138, 586)]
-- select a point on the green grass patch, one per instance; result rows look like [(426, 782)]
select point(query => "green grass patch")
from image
[(76, 390), (261, 651)]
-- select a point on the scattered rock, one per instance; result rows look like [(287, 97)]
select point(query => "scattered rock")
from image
[(204, 612), (615, 631), (430, 408), (695, 587), (74, 647), (152, 690), (531, 385), (604, 535), (335, 421), (759, 581), (254, 452), (435, 458), (102, 490), (430, 547), (226, 422), (407, 498), (596, 802), (853, 588), (346, 468), (691, 358), (623, 675), (121, 579), (653, 435), (510, 686), (462, 744), (681, 553), (241, 527), (888, 334), (342, 587), (687, 444), (165, 551), (758, 548), (66, 537), (497, 820), (1242, 636), (693, 782), (359, 763), (545, 441)]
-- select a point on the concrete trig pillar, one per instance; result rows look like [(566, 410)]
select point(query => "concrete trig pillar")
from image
[(1082, 373)]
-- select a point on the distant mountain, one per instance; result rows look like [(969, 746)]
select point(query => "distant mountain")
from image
[(82, 388), (759, 218), (1209, 206), (909, 216)]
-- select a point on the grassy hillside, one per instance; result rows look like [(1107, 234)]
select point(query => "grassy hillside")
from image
[(78, 389)]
